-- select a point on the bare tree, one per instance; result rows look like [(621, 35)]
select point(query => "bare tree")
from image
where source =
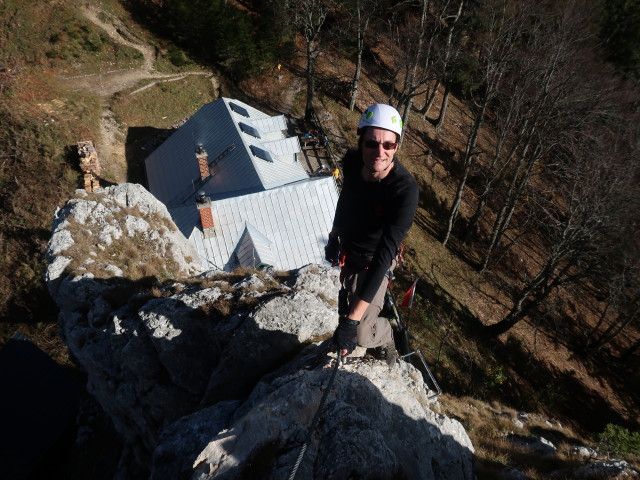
[(546, 85), (308, 18), (414, 82), (362, 12), (416, 34), (410, 35), (619, 283), (582, 218), (505, 119), (496, 49)]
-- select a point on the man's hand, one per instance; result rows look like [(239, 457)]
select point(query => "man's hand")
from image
[(345, 335), (332, 251)]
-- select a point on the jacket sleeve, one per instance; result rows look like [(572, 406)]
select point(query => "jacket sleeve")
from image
[(397, 225)]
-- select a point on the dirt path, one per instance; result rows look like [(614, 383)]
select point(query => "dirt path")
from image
[(290, 94), (111, 144)]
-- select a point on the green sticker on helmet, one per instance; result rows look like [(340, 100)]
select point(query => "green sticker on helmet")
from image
[(395, 119), (369, 115)]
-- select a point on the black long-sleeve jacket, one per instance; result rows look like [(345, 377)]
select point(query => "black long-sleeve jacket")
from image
[(372, 218)]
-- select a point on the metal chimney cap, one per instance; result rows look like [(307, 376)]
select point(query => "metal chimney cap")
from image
[(200, 148)]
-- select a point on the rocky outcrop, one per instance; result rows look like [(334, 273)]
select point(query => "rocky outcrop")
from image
[(377, 424), (204, 377), (120, 231)]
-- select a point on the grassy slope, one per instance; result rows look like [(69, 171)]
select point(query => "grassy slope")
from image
[(41, 120)]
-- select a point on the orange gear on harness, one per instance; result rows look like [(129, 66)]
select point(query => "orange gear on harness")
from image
[(343, 260)]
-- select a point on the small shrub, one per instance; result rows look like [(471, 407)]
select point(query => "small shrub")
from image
[(495, 377), (552, 396), (176, 56), (618, 441)]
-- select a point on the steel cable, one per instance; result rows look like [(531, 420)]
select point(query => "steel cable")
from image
[(312, 427)]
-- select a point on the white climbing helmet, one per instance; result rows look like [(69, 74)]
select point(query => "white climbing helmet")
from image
[(382, 116)]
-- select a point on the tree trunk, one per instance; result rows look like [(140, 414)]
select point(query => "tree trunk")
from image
[(356, 75), (531, 295), (447, 55), (430, 98), (517, 184), (612, 332), (311, 84), (405, 116), (443, 109), (467, 161), (356, 81), (505, 126), (473, 228), (589, 340)]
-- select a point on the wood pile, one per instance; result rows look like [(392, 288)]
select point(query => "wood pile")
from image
[(90, 165)]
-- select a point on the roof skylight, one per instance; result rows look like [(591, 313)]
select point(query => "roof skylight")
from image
[(238, 109), (250, 130), (261, 153)]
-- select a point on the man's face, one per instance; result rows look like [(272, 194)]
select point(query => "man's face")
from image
[(376, 158)]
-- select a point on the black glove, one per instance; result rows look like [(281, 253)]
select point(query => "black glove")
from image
[(332, 251), (346, 333)]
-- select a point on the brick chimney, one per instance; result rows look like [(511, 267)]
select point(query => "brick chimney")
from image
[(203, 162), (206, 217)]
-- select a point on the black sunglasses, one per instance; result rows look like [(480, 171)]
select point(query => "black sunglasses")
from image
[(374, 145)]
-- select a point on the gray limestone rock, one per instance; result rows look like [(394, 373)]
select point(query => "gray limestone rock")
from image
[(609, 469), (267, 336), (123, 222), (207, 381), (322, 280), (583, 452), (538, 445), (376, 424)]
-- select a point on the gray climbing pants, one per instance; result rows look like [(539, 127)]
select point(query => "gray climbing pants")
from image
[(374, 330)]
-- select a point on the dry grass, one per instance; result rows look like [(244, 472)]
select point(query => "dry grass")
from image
[(41, 121), (134, 253), (164, 103), (234, 300), (488, 426)]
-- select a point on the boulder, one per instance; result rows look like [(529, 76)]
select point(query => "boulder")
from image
[(537, 445), (376, 424)]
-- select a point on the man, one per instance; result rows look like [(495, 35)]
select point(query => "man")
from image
[(374, 212)]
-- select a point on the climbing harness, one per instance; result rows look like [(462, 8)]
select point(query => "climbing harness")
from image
[(312, 427)]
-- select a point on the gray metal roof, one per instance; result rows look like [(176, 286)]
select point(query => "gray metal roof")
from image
[(265, 208), (271, 124), (286, 227), (172, 170)]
